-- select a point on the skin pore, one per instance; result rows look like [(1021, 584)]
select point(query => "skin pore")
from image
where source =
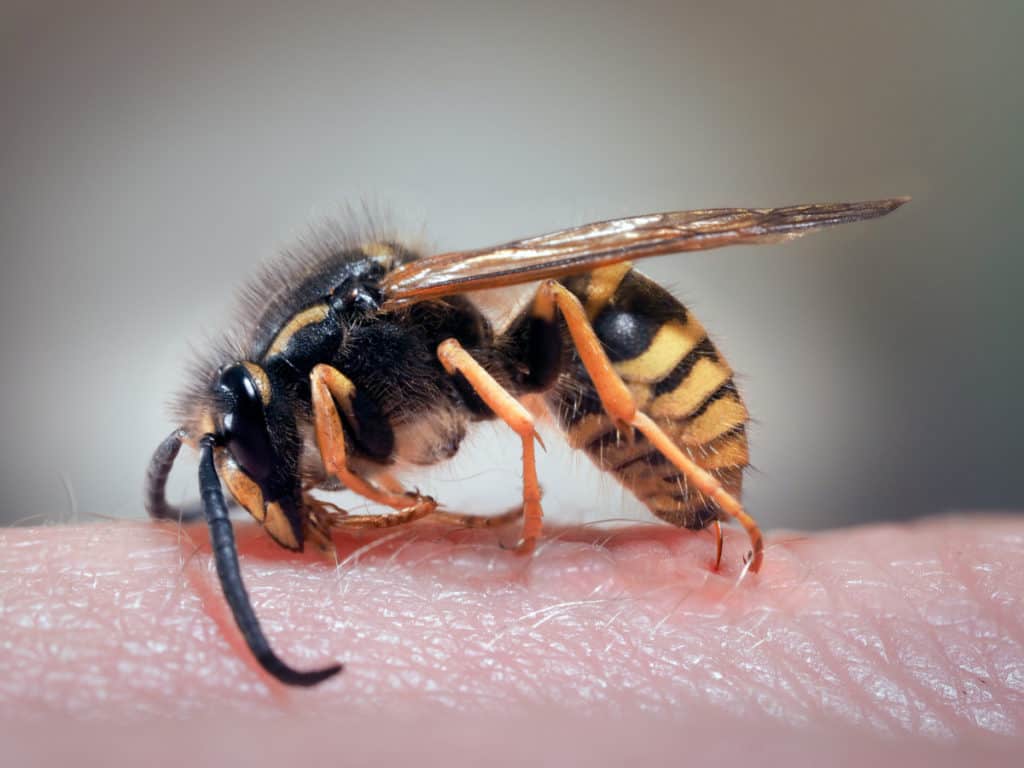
[(608, 641)]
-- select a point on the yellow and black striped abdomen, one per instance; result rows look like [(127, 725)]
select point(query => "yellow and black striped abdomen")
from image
[(676, 376)]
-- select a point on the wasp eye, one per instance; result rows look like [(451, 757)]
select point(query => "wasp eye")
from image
[(244, 422)]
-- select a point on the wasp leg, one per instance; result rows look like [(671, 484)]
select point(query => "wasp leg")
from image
[(319, 517), (455, 360), (328, 515), (331, 389), (325, 516), (325, 511), (716, 531), (389, 482), (407, 516), (464, 520), (618, 402), (401, 517)]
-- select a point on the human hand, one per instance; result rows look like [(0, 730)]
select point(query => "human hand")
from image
[(607, 644)]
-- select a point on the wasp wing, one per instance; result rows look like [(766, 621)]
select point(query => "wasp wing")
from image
[(584, 248)]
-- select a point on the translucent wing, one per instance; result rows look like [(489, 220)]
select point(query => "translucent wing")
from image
[(584, 248)]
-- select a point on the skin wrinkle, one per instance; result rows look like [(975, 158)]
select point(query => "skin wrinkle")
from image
[(892, 701), (993, 581), (442, 618), (966, 697)]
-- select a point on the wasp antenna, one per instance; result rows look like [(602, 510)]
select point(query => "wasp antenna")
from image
[(225, 552), (156, 481)]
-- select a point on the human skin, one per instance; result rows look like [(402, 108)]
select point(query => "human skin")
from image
[(609, 643)]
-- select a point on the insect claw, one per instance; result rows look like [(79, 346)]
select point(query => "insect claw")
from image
[(719, 538), (422, 506), (536, 436), (526, 546), (321, 539)]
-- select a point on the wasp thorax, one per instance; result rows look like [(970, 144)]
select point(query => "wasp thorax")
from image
[(359, 292), (243, 420)]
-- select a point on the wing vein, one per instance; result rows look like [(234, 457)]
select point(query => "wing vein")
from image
[(581, 249)]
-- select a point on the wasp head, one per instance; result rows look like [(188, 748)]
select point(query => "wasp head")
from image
[(239, 446), (243, 420), (250, 453)]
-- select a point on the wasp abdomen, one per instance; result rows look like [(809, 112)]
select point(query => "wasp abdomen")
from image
[(676, 376)]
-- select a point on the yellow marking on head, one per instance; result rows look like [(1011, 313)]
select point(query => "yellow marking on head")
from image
[(382, 253), (261, 379), (603, 284), (721, 416), (311, 316), (279, 527), (670, 345), (707, 376), (240, 485)]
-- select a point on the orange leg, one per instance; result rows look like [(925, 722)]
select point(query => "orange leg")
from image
[(320, 518), (415, 513), (716, 531), (332, 389), (618, 402), (478, 521), (401, 517), (456, 359), (324, 515), (389, 482)]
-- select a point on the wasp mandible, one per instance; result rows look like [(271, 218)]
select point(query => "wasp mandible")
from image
[(357, 354)]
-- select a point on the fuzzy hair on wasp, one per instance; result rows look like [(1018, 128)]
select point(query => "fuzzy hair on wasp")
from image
[(360, 355)]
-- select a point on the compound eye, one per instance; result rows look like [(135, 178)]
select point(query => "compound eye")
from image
[(244, 422)]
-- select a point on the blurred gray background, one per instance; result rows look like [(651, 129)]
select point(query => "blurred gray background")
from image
[(153, 153)]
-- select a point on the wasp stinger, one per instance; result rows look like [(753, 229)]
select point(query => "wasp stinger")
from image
[(360, 354)]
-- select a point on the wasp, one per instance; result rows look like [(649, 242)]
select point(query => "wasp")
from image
[(360, 355)]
